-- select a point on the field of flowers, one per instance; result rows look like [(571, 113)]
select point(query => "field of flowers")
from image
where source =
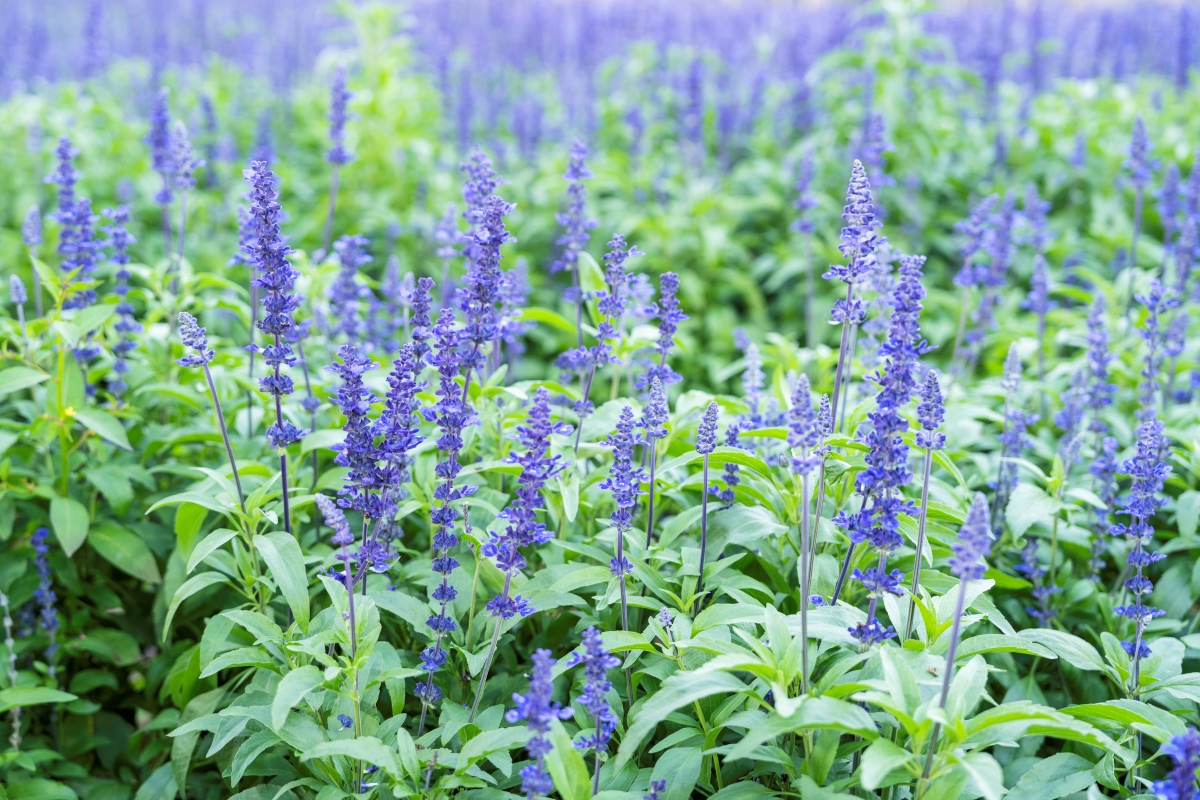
[(480, 400)]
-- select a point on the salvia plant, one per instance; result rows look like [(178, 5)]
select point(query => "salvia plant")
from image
[(497, 434)]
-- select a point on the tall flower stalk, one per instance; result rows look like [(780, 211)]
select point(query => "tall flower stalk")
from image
[(1141, 170), (452, 414), (193, 336), (805, 201), (930, 414), (977, 230), (654, 427), (159, 140), (968, 564), (624, 483), (184, 165), (10, 663), (18, 296), (670, 316), (538, 710), (1149, 471), (522, 528), (576, 227), (1013, 437), (338, 156), (1158, 301), (706, 442), (275, 276), (804, 440), (31, 237), (859, 245), (126, 326), (596, 661)]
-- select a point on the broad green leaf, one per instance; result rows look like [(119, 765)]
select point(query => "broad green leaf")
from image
[(1072, 649), (189, 588), (291, 691), (680, 768), (38, 789), (114, 485), (571, 778), (22, 696), (125, 550), (367, 749), (16, 378), (488, 742), (1027, 505), (1187, 511), (282, 553), (811, 713), (1000, 643), (105, 425), (207, 545), (749, 790), (1057, 776), (250, 749), (70, 520), (183, 744), (241, 657), (878, 760)]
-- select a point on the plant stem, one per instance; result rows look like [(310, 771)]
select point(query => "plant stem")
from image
[(37, 281), (487, 662), (948, 674), (916, 577), (333, 193), (810, 314), (962, 325), (805, 558), (182, 226), (703, 529), (653, 447), (1137, 229), (212, 390), (841, 365)]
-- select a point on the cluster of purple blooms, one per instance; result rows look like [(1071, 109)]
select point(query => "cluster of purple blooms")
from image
[(538, 710), (45, 598), (624, 483), (340, 97), (596, 661), (346, 293), (119, 239)]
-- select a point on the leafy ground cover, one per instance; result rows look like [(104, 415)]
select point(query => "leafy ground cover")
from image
[(353, 451)]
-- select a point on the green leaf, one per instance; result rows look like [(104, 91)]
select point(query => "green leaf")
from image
[(126, 551), (250, 749), (1187, 511), (206, 547), (241, 657), (1027, 505), (1057, 776), (679, 690), (1072, 649), (39, 789), (878, 761), (489, 742), (282, 553), (367, 749), (569, 489), (291, 691), (69, 517), (748, 790), (183, 745), (105, 425), (548, 317), (16, 378), (189, 588), (811, 713), (22, 696), (680, 768), (321, 440), (999, 643), (114, 485), (566, 765)]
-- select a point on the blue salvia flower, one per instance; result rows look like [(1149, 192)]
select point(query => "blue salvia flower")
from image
[(1149, 471), (398, 427), (732, 471), (887, 460), (1034, 572), (1104, 469), (275, 276), (538, 710), (1180, 783), (210, 139), (447, 237), (339, 97), (1036, 231), (977, 230), (931, 412), (1141, 167), (345, 721), (159, 140), (193, 336), (244, 255), (1013, 437), (1100, 391), (1157, 301), (522, 528), (76, 244), (357, 452), (183, 161), (992, 277), (18, 296), (973, 545), (1185, 256), (574, 220), (45, 598), (422, 325), (654, 424), (31, 229), (452, 414), (1070, 417), (624, 483), (514, 288), (656, 787), (1169, 206), (342, 539), (752, 385), (482, 283), (859, 243), (1038, 301), (806, 199), (596, 661), (346, 294), (119, 239), (670, 315), (804, 431), (706, 434), (706, 443), (1174, 344)]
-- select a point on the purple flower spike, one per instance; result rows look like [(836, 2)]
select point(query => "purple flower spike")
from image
[(930, 414), (670, 315), (346, 294), (706, 435), (1180, 783), (596, 661), (859, 239), (804, 431), (538, 710), (339, 98), (624, 482), (974, 542)]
